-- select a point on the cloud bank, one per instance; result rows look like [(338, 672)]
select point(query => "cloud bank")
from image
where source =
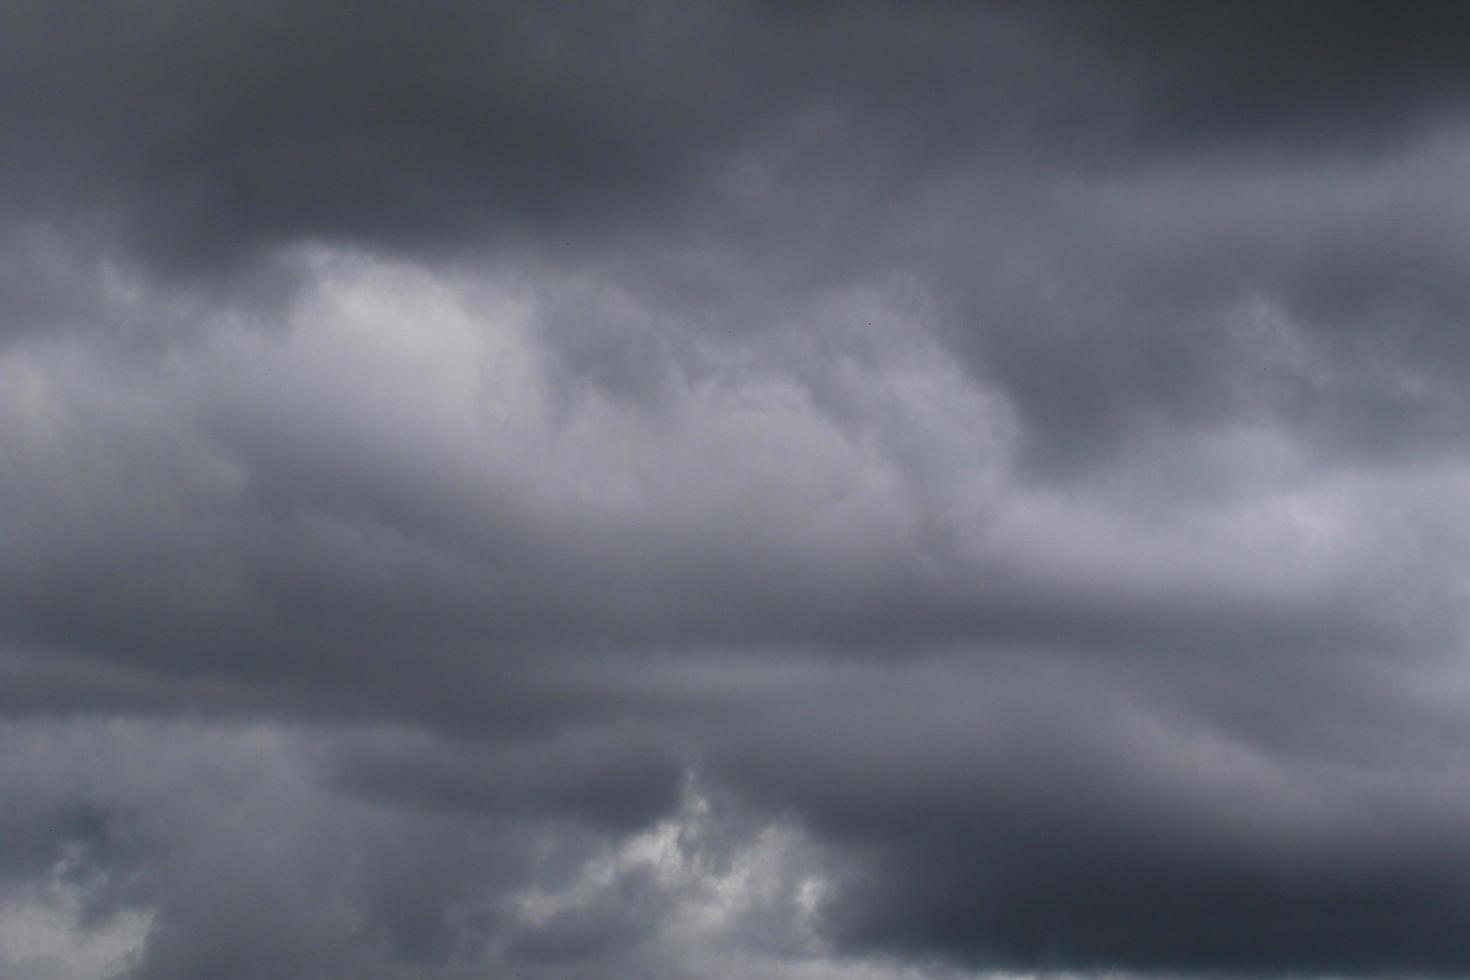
[(793, 491)]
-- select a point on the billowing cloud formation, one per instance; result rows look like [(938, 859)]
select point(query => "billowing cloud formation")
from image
[(733, 490)]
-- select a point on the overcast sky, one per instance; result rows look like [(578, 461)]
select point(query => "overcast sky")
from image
[(691, 490)]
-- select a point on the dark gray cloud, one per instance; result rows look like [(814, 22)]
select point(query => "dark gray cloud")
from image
[(732, 490), (1347, 76), (205, 135), (1048, 819)]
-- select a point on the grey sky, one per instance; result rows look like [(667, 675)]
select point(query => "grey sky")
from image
[(746, 490)]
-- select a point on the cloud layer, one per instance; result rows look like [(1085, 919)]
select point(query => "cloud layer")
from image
[(732, 490)]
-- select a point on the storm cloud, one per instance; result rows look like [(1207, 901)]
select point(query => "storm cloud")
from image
[(750, 490)]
